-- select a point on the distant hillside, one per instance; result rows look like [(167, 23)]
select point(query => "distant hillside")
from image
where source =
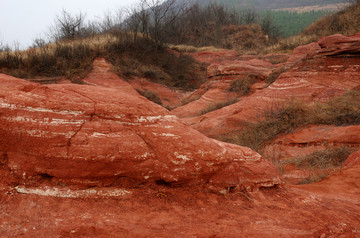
[(270, 4), (289, 16), (345, 22)]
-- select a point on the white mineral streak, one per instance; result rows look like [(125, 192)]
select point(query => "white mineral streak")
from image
[(37, 109), (183, 159), (98, 135), (153, 119), (44, 134), (68, 193), (144, 156), (164, 134), (44, 121), (292, 85)]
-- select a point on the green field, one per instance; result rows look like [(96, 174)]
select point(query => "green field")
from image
[(292, 23)]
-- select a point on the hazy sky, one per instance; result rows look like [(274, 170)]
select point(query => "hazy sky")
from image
[(24, 20)]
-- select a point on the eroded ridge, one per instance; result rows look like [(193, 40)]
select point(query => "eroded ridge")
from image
[(90, 133)]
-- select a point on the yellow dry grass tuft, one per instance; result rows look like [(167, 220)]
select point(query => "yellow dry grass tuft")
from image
[(344, 110)]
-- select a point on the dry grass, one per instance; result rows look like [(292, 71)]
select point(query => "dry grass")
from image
[(274, 75), (50, 60), (320, 163), (73, 59), (344, 110), (150, 95), (346, 22), (245, 38), (323, 159), (190, 99), (248, 39), (193, 49), (315, 176), (217, 105)]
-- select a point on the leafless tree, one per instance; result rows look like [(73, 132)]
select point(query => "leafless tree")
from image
[(110, 21), (69, 26), (249, 16), (153, 18), (268, 26), (163, 15), (4, 47)]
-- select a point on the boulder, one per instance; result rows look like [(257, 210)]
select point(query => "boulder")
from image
[(338, 44), (84, 134)]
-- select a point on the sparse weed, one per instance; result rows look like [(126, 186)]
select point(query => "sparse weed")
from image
[(217, 105), (152, 96), (274, 75), (323, 159), (242, 86), (344, 110), (320, 163)]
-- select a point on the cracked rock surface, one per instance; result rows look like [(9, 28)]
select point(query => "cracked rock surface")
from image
[(90, 133)]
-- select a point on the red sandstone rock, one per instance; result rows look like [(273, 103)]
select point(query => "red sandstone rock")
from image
[(336, 44), (217, 89), (222, 71), (276, 58), (315, 79), (252, 67), (294, 175), (345, 183), (215, 56), (310, 139), (34, 118), (101, 75), (352, 161), (329, 208), (87, 134), (169, 98), (211, 93)]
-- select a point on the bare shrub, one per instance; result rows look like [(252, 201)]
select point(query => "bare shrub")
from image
[(242, 86), (274, 75), (69, 27), (344, 110), (320, 163), (71, 61), (323, 159)]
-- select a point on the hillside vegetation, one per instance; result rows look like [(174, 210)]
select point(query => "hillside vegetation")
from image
[(292, 23), (137, 44), (274, 4), (340, 111), (345, 22), (288, 22)]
